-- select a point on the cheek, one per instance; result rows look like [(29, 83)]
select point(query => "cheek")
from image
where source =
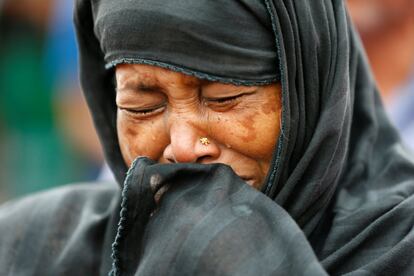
[(253, 129), (253, 133), (140, 138)]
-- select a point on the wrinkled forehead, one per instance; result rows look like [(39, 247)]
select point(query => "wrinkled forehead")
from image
[(219, 39), (142, 75)]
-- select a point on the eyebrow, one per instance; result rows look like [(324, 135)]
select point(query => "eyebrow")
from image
[(141, 87)]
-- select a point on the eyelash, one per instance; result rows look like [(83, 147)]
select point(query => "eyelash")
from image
[(143, 112), (225, 100)]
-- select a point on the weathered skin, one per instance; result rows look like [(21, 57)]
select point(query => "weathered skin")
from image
[(179, 109)]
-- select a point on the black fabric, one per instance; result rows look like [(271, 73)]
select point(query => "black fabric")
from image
[(65, 231), (338, 199), (141, 32), (210, 222)]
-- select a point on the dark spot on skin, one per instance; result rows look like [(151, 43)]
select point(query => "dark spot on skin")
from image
[(130, 131), (269, 107), (248, 124)]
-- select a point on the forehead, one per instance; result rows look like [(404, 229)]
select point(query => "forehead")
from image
[(142, 74)]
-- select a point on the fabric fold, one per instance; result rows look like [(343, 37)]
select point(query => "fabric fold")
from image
[(208, 222)]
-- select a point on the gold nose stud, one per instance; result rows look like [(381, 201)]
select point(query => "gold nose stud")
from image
[(204, 141)]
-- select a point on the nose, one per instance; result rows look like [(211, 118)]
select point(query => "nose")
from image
[(185, 145)]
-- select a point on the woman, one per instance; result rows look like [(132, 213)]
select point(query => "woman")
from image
[(256, 141)]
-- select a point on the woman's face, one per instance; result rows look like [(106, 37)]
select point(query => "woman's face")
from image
[(163, 114)]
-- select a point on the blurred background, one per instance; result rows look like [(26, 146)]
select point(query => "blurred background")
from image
[(46, 134), (386, 28)]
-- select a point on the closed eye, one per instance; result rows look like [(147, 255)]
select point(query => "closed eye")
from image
[(143, 112), (225, 99), (225, 103)]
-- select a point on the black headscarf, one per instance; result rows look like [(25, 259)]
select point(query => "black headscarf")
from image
[(339, 196), (187, 36)]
